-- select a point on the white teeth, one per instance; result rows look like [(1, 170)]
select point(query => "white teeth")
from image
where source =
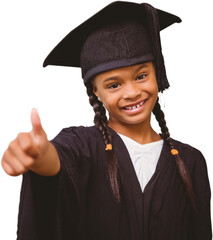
[(134, 107)]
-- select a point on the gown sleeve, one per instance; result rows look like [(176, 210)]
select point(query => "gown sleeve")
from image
[(50, 206), (202, 219)]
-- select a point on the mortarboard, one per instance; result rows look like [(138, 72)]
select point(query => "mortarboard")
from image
[(119, 35)]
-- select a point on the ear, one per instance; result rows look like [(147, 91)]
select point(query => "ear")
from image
[(95, 91)]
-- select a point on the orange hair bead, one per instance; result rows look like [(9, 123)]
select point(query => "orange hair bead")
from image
[(174, 152), (108, 147)]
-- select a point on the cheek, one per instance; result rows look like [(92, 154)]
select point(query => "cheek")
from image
[(110, 102), (155, 89), (154, 93), (151, 87)]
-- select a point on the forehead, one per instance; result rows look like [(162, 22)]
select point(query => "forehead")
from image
[(124, 70)]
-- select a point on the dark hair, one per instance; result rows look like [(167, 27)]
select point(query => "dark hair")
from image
[(159, 115), (100, 121)]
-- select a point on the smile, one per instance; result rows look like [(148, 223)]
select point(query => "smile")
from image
[(135, 106)]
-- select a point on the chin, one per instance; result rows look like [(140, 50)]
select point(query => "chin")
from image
[(137, 120)]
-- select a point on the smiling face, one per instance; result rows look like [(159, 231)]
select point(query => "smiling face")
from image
[(129, 94)]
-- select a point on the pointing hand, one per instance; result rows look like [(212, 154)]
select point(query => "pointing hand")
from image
[(26, 149)]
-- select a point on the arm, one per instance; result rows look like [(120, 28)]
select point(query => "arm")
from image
[(202, 218), (31, 151)]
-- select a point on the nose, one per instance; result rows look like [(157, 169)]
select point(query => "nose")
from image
[(131, 91)]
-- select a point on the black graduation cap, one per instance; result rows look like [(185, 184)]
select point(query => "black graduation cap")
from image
[(139, 26)]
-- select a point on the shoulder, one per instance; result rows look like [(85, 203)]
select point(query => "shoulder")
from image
[(192, 156), (197, 167), (186, 149), (81, 140), (77, 135), (80, 131)]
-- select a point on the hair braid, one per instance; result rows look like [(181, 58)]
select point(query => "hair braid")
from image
[(159, 114), (100, 121)]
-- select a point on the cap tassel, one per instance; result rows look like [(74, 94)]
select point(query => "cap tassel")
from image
[(154, 31)]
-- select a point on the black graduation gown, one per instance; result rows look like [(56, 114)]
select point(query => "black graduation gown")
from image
[(78, 203)]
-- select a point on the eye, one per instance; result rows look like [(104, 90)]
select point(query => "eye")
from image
[(142, 76), (114, 85)]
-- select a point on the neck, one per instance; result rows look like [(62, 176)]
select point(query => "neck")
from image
[(141, 133)]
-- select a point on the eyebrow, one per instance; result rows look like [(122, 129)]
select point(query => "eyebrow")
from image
[(116, 77), (111, 78), (141, 66)]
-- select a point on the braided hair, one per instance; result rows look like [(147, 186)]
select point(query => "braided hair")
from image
[(159, 115), (100, 121)]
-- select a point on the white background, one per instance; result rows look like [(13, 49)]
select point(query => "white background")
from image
[(29, 31)]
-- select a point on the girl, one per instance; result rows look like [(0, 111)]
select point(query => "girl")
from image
[(118, 179)]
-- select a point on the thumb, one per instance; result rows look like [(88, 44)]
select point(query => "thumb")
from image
[(36, 122)]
